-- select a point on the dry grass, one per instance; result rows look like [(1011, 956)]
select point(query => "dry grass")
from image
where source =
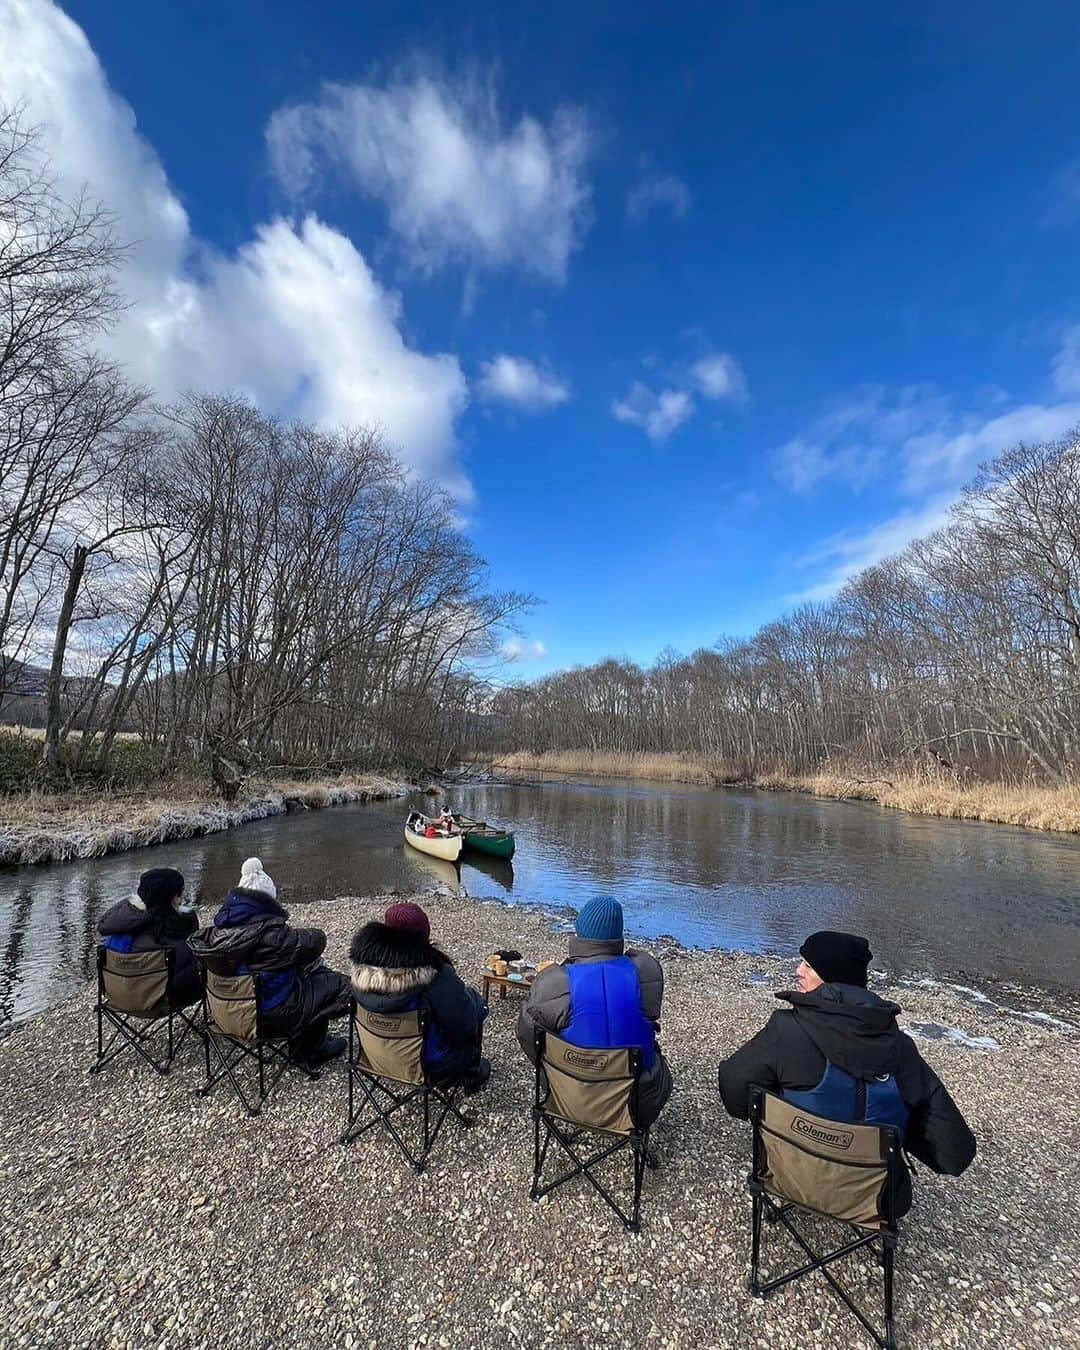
[(38, 733), (1036, 808), (38, 828), (659, 767)]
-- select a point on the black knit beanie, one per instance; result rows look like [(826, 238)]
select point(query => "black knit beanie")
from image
[(159, 887), (839, 958)]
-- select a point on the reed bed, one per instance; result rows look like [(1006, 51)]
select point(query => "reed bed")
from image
[(603, 764), (38, 828), (1031, 806)]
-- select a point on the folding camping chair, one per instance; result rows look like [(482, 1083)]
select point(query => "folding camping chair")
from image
[(133, 998), (838, 1171), (588, 1092), (234, 1035), (386, 1063)]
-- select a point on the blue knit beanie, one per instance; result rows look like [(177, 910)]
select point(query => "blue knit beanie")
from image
[(600, 920)]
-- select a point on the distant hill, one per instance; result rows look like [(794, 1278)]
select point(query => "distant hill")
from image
[(21, 678)]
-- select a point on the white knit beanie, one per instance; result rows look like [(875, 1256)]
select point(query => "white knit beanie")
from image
[(253, 878)]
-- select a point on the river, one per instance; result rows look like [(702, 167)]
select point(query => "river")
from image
[(983, 905)]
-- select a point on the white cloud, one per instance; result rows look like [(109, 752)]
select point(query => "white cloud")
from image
[(719, 376), (858, 435), (925, 451), (657, 414), (716, 376), (521, 384), (515, 649), (655, 191), (937, 457), (1066, 367), (851, 552), (294, 317), (460, 185)]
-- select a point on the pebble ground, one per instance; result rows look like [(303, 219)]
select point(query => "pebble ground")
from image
[(135, 1214)]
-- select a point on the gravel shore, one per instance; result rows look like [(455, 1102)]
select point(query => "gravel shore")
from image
[(137, 1214)]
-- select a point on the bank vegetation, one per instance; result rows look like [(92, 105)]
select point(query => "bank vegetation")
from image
[(945, 679), (236, 593)]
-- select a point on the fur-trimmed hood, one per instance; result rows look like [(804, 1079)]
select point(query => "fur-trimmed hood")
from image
[(392, 961)]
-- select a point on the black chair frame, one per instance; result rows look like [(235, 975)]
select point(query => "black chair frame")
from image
[(547, 1127), (271, 1054), (131, 1032), (386, 1101), (882, 1242)]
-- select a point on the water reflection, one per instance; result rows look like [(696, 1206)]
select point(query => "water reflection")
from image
[(747, 870), (498, 870)]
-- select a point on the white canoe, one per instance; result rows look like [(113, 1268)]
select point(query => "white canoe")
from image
[(447, 847)]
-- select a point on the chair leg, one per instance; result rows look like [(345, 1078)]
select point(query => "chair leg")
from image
[(888, 1260), (126, 1036), (100, 1037), (583, 1167), (755, 1244), (640, 1155), (534, 1193), (226, 1071)]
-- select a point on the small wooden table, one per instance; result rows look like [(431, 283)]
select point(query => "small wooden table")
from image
[(504, 982)]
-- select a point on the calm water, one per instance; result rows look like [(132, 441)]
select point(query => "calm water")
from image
[(981, 904)]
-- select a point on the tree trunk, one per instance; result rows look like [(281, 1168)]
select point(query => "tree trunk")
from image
[(51, 752)]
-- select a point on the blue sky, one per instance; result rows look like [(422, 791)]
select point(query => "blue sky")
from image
[(696, 309)]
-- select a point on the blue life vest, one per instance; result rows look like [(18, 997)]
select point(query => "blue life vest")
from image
[(839, 1095), (272, 987), (605, 1008)]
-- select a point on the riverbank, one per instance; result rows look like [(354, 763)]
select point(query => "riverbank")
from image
[(1034, 808), (42, 828), (136, 1213)]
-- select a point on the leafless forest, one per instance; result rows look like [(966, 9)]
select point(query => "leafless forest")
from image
[(961, 654), (250, 593), (232, 588)]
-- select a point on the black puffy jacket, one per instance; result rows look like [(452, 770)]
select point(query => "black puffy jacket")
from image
[(397, 971), (251, 934), (857, 1031), (130, 926)]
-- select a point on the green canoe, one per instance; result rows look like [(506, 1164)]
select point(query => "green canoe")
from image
[(486, 838)]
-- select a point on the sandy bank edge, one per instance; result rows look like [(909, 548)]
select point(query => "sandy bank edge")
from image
[(140, 822)]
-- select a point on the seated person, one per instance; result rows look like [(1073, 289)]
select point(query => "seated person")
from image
[(838, 1052), (396, 968), (157, 917), (603, 997), (297, 993)]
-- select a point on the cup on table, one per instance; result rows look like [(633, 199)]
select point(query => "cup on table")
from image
[(499, 967)]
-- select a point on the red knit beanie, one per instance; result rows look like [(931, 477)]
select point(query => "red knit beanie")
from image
[(409, 917)]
